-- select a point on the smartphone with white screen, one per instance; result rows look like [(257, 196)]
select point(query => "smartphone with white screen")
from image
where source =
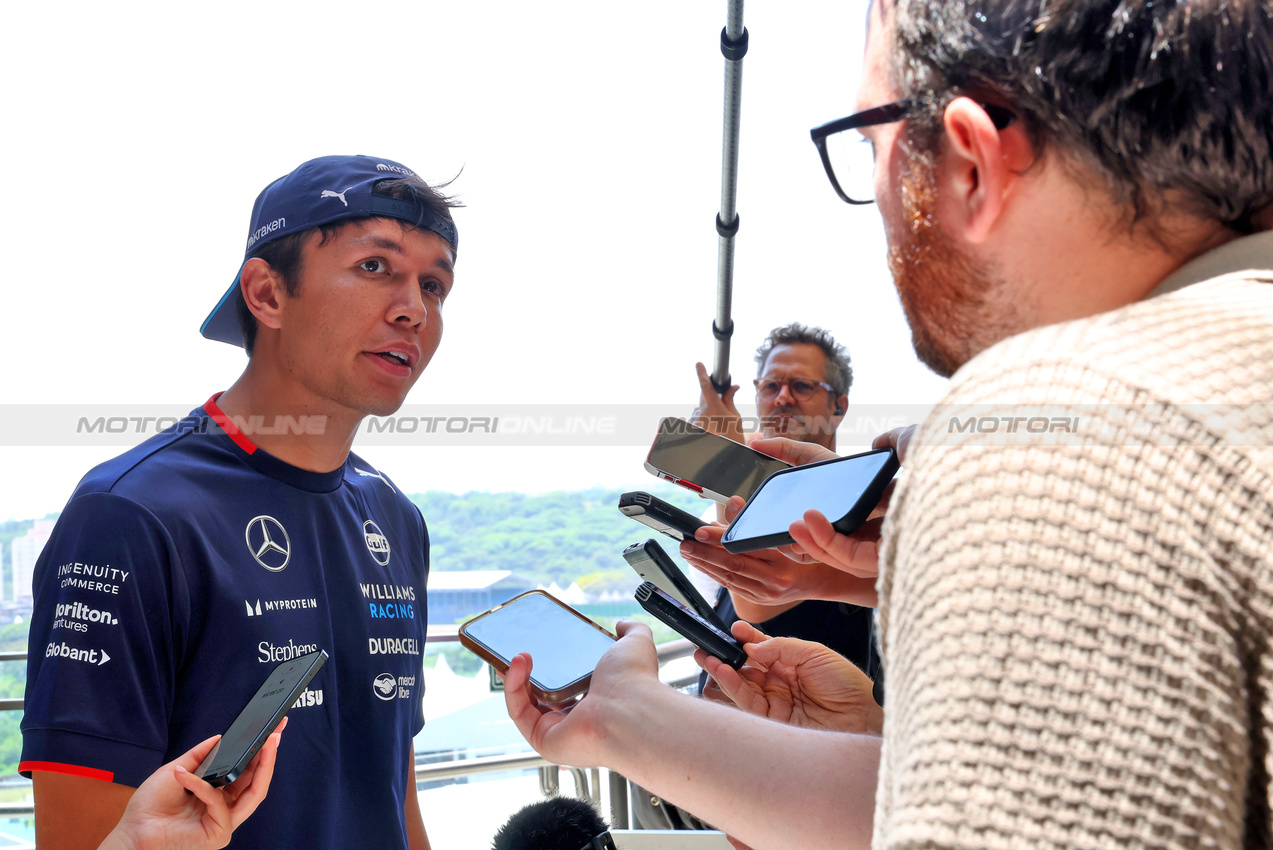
[(844, 489), (261, 716), (707, 463), (564, 645)]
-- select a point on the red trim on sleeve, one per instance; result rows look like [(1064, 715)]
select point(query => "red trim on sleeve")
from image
[(226, 425), (69, 769)]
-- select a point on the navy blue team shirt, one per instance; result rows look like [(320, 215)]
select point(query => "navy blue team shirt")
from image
[(180, 573)]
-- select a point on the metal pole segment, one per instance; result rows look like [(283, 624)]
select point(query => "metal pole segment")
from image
[(618, 801), (734, 48)]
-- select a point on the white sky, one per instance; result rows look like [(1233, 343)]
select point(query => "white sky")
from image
[(589, 134)]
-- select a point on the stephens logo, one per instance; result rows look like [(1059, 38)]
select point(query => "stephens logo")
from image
[(377, 543), (268, 542), (271, 654), (385, 686)]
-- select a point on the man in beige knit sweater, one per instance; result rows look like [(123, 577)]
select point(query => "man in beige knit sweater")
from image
[(1075, 584)]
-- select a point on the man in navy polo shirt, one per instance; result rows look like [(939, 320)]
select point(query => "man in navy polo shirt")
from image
[(182, 571)]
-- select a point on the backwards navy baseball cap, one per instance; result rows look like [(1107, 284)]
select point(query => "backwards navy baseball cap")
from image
[(321, 191)]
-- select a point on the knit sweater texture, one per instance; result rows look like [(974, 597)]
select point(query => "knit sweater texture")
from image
[(1076, 595)]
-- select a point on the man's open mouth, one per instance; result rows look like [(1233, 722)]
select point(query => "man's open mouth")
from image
[(394, 357)]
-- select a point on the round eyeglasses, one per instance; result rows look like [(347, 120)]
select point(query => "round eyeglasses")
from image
[(801, 389)]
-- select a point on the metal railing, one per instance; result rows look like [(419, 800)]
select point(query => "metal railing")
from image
[(460, 768)]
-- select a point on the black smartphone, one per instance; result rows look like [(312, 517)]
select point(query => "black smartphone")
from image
[(708, 463), (261, 716), (657, 567), (701, 633), (564, 645), (844, 489), (660, 515)]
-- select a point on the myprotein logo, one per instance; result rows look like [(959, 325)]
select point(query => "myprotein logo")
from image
[(268, 542), (260, 609), (377, 543), (385, 686)]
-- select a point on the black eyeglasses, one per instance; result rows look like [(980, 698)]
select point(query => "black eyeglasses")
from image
[(850, 159)]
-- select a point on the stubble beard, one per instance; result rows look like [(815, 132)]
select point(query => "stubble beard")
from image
[(950, 301), (803, 428)]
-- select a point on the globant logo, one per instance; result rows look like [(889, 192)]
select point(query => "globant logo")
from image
[(61, 650)]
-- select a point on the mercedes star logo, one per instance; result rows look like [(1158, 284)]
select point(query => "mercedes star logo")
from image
[(268, 542)]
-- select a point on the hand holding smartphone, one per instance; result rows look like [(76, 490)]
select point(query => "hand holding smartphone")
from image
[(651, 563), (698, 631), (262, 714), (845, 490), (564, 645)]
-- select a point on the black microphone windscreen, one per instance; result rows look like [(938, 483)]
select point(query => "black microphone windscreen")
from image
[(558, 823)]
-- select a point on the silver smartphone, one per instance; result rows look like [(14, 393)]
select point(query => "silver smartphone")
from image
[(708, 463)]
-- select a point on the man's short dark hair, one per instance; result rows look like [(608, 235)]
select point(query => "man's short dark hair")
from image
[(284, 255), (1166, 100), (839, 373)]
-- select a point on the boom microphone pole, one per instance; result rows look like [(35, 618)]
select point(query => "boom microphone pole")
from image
[(733, 44)]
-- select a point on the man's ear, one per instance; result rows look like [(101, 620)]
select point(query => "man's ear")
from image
[(840, 407), (263, 291), (982, 165)]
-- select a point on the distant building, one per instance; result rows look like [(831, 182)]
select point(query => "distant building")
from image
[(24, 551), (455, 595)]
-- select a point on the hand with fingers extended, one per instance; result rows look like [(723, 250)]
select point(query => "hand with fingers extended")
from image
[(574, 734), (716, 412), (815, 539), (175, 810), (772, 577), (797, 682)]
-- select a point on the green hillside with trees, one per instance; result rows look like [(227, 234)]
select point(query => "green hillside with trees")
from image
[(554, 537)]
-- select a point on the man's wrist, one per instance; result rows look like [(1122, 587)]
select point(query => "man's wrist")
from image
[(624, 723)]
